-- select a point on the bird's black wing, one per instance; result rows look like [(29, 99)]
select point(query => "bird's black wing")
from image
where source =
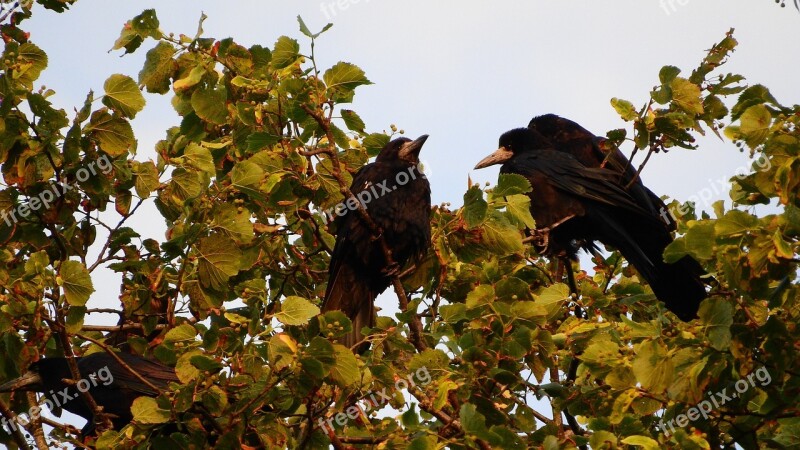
[(159, 375), (571, 177)]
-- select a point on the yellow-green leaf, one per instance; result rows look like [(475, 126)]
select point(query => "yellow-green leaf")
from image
[(123, 95)]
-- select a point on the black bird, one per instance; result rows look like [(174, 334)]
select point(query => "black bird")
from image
[(111, 385), (397, 197), (575, 204), (595, 151)]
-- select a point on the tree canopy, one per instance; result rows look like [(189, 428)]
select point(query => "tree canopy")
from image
[(488, 331)]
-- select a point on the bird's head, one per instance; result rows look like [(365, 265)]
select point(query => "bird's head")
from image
[(403, 149), (558, 129), (515, 142)]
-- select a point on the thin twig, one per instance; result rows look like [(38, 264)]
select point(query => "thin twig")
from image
[(114, 355), (13, 422)]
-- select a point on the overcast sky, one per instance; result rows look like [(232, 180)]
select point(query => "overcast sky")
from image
[(461, 71)]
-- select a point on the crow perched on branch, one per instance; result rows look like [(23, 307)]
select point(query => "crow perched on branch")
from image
[(110, 384), (397, 197), (577, 199)]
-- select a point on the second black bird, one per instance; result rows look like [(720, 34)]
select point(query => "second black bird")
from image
[(397, 197), (575, 204)]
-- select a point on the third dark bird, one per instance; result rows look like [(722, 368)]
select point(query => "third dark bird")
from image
[(111, 385), (397, 197), (584, 191)]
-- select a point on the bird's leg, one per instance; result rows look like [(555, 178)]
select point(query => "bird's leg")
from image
[(573, 287)]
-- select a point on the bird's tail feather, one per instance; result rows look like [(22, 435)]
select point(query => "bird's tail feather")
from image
[(351, 296), (679, 285)]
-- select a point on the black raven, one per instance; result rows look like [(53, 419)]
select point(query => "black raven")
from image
[(111, 385), (397, 197), (575, 204)]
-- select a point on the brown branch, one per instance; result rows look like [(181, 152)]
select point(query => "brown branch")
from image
[(67, 428), (35, 425), (321, 150), (13, 425)]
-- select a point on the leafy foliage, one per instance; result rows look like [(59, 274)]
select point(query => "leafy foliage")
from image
[(260, 149)]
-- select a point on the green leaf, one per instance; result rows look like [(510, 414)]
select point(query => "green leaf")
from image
[(511, 184), (625, 109), (475, 207), (304, 29), (668, 73), (501, 237), (345, 371), (209, 104), (198, 157), (183, 332), (282, 350), (480, 295), (113, 133), (231, 222), (246, 174), (716, 314), (519, 211), (755, 123), (218, 260), (146, 180), (734, 223), (123, 95), (296, 311), (74, 319), (286, 52), (206, 364), (159, 68), (652, 366), (145, 410), (33, 61), (645, 442), (344, 76), (353, 121), (686, 95), (76, 282)]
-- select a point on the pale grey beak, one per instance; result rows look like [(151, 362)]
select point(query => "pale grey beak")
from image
[(29, 381), (410, 150), (500, 156)]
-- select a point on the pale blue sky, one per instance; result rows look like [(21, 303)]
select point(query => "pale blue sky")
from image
[(461, 71)]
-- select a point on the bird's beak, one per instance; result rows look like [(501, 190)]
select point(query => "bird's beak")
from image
[(499, 156), (410, 150), (27, 382)]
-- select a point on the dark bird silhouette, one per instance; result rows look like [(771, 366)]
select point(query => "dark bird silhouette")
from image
[(397, 197), (111, 385), (595, 151), (575, 204)]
